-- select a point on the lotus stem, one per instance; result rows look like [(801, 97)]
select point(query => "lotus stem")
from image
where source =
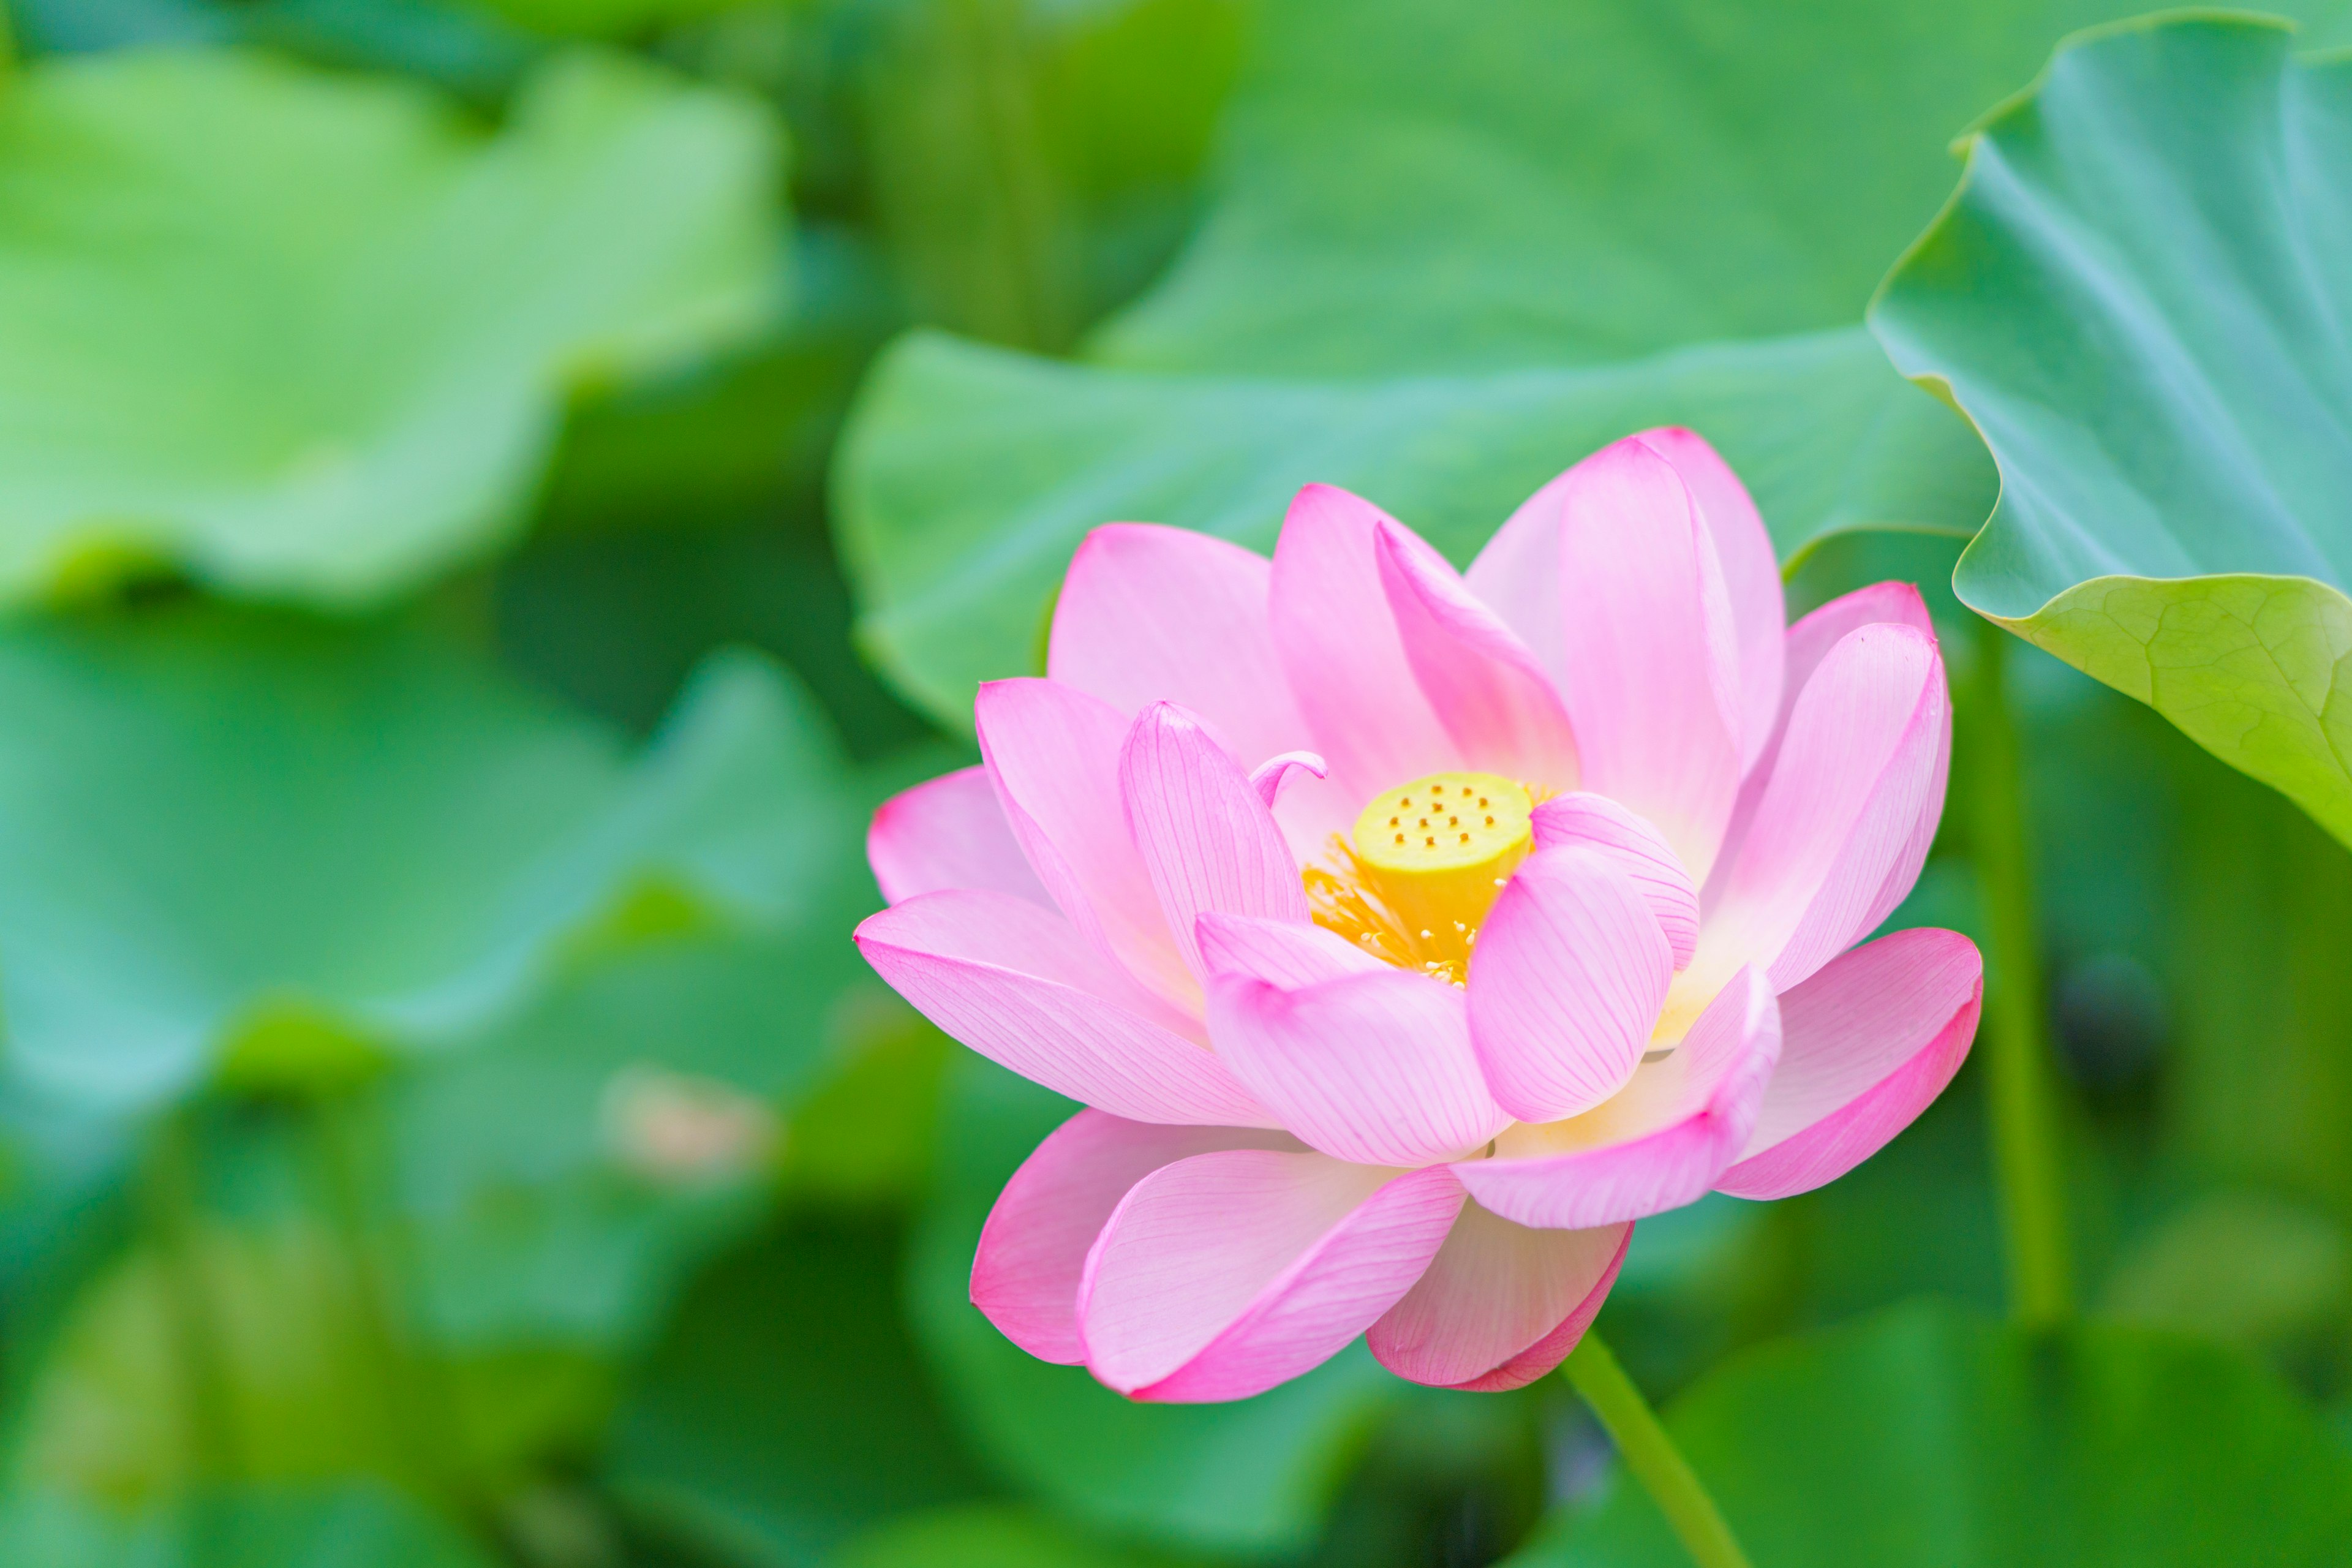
[(1651, 1455), (2022, 1097)]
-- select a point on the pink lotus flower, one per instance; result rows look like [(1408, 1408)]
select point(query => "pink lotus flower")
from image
[(1411, 933)]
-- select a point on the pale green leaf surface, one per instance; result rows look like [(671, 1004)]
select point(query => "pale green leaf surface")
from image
[(1931, 1437), (2138, 295), (278, 847), (355, 1526), (310, 337), (1452, 250)]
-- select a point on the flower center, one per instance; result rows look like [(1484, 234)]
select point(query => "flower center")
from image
[(1426, 861)]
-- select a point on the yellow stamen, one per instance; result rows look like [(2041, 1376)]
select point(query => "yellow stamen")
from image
[(1414, 895)]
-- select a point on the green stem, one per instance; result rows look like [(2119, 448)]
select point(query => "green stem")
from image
[(174, 1219), (2023, 1110), (1651, 1455)]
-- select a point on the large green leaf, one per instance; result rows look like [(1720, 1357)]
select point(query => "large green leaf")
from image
[(1256, 1477), (1454, 249), (308, 337), (282, 848), (354, 1526), (1930, 1438), (2138, 295), (785, 1411)]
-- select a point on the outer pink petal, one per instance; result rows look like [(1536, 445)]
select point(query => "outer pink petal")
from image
[(1844, 819), (1207, 837), (1149, 614), (1222, 1275), (1054, 753), (1516, 575), (1500, 1305), (1024, 1276), (1339, 646), (1751, 577), (1375, 1068), (1867, 1044), (1281, 953), (949, 832), (1012, 982), (1808, 643), (1650, 675), (1661, 1144), (1486, 685), (1565, 984), (1597, 823)]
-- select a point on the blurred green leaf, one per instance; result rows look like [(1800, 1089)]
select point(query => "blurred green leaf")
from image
[(785, 1410), (308, 337), (1256, 1477), (2244, 1266), (1931, 1437), (1452, 252), (987, 1535), (2133, 297), (284, 848), (354, 1526)]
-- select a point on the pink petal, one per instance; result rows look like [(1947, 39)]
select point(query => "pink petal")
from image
[(1516, 575), (1484, 685), (1053, 753), (1844, 820), (1808, 643), (1500, 1305), (1565, 984), (1222, 1275), (1597, 823), (1207, 840), (1024, 1276), (1340, 648), (1374, 1068), (1660, 1143), (1651, 674), (1149, 614), (1012, 982), (1751, 577), (1268, 777), (949, 832), (1281, 953), (1867, 1044)]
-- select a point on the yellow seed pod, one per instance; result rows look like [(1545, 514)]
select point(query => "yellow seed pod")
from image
[(1438, 848)]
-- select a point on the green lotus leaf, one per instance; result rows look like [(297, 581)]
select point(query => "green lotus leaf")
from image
[(2137, 295), (1950, 1440), (310, 337), (281, 849), (1450, 251)]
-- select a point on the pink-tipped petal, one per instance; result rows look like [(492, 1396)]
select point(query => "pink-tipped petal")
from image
[(1012, 982), (949, 832), (1661, 1144), (1374, 1068), (1808, 643), (1488, 690), (1340, 648), (1651, 674), (1221, 1276), (1867, 1044), (1024, 1276), (1751, 577), (1565, 985), (1500, 1305), (1281, 953), (1054, 753), (1843, 823), (1207, 839), (1149, 614), (1268, 777), (1597, 823)]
